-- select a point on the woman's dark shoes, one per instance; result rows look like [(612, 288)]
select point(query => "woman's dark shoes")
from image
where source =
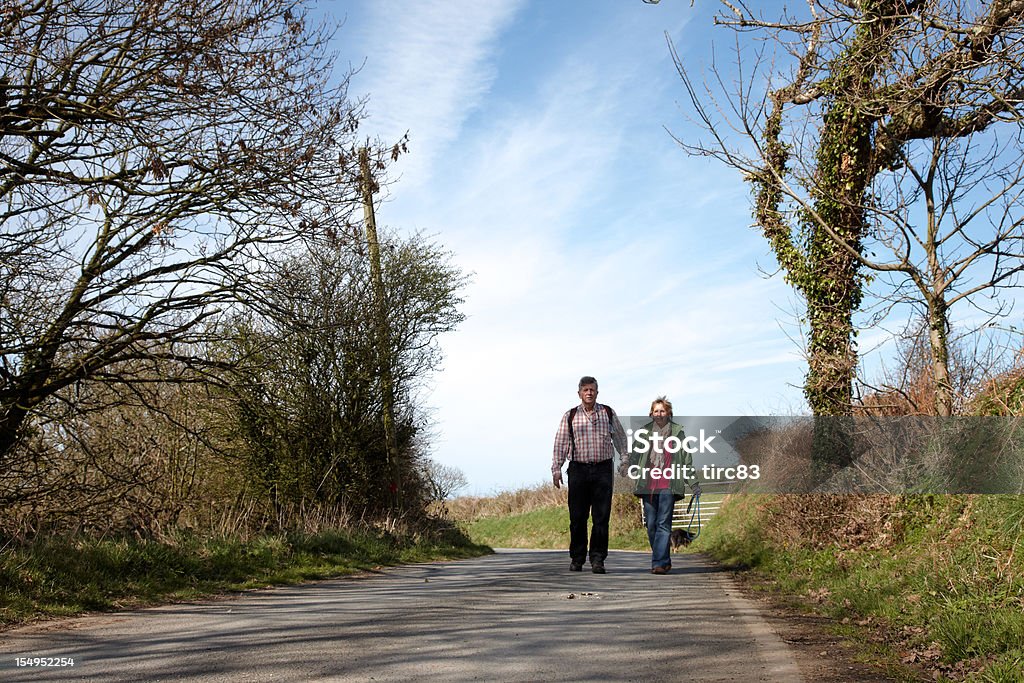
[(661, 570)]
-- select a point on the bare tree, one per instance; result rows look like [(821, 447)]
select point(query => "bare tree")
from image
[(951, 231), (111, 458), (444, 480), (882, 136), (152, 154)]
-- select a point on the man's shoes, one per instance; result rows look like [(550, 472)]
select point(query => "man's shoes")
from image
[(597, 567), (575, 566), (660, 570)]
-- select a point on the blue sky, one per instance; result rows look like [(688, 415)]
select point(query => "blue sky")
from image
[(541, 157)]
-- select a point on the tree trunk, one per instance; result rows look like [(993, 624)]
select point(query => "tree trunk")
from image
[(10, 426), (383, 333), (938, 340)]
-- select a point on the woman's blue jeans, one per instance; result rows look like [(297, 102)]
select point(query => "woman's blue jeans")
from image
[(658, 509)]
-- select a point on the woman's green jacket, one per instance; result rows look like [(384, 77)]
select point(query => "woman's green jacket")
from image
[(640, 453)]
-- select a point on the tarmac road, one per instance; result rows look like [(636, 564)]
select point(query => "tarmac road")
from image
[(518, 615)]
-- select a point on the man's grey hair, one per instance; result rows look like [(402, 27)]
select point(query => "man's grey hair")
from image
[(586, 379)]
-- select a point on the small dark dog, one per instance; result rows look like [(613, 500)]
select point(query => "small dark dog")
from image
[(681, 538)]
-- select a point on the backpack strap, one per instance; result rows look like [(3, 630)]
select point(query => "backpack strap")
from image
[(572, 434)]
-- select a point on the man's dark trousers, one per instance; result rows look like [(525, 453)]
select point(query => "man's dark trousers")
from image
[(590, 494)]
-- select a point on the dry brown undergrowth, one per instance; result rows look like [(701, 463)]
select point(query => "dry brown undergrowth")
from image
[(467, 508)]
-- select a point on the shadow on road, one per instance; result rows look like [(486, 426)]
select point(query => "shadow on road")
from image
[(515, 615)]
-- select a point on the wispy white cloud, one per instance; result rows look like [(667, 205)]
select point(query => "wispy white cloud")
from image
[(429, 65)]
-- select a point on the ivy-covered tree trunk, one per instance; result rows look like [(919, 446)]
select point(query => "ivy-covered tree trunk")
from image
[(938, 339), (822, 261), (833, 293), (833, 290)]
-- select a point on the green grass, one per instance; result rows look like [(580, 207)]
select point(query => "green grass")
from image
[(942, 577), (547, 527), (62, 577), (541, 528)]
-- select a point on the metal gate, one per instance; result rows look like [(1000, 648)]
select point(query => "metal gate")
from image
[(711, 497)]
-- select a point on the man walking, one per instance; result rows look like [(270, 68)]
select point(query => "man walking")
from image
[(586, 437)]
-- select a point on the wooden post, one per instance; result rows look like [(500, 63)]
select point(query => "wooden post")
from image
[(382, 331)]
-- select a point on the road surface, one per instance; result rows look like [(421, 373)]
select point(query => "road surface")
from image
[(517, 615)]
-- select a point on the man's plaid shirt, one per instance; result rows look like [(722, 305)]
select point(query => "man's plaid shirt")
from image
[(595, 437)]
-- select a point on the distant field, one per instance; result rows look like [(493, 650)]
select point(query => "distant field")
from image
[(545, 528), (537, 517)]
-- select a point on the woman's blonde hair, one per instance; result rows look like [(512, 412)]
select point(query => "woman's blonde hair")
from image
[(665, 402)]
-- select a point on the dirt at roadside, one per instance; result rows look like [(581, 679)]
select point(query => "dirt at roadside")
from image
[(821, 655)]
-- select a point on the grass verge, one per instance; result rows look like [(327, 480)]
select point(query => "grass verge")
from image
[(548, 527), (932, 585), (63, 577)]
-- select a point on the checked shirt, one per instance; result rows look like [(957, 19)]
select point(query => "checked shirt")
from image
[(596, 439)]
